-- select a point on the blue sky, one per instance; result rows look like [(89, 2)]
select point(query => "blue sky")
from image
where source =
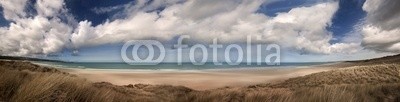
[(83, 9), (3, 21), (338, 35)]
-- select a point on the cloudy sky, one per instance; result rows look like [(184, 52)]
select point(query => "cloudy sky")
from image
[(94, 30)]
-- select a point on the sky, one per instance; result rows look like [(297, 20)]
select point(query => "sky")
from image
[(95, 30)]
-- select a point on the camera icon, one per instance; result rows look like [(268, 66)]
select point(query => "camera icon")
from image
[(149, 45)]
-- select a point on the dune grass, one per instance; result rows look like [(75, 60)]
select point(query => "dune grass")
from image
[(330, 93), (24, 86), (26, 82), (353, 84), (372, 74)]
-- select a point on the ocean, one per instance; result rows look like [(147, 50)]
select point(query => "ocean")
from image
[(175, 66)]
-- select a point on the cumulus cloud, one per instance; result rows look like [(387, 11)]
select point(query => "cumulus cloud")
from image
[(227, 20), (49, 7), (33, 35), (308, 33), (382, 27), (13, 8)]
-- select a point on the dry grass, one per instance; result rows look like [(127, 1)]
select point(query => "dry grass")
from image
[(331, 93), (23, 81), (354, 84), (239, 95), (348, 93), (374, 74), (26, 85)]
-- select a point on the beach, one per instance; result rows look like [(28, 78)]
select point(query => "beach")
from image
[(196, 79), (338, 82)]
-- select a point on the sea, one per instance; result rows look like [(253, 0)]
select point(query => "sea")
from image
[(172, 66)]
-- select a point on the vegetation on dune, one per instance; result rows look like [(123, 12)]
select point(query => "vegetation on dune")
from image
[(372, 74), (394, 59), (353, 84), (24, 81), (329, 93)]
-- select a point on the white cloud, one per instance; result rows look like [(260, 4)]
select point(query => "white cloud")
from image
[(13, 9), (49, 7), (198, 10), (33, 35), (381, 40), (134, 7), (103, 10), (382, 28), (227, 20), (297, 29)]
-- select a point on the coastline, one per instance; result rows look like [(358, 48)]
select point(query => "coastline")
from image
[(197, 79), (24, 81)]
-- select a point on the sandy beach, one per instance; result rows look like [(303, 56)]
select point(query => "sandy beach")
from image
[(197, 79)]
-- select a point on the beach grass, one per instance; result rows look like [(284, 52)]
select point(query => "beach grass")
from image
[(353, 84)]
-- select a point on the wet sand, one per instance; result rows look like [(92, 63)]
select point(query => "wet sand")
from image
[(197, 79)]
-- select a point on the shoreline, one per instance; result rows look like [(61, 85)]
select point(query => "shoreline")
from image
[(275, 67), (197, 79)]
